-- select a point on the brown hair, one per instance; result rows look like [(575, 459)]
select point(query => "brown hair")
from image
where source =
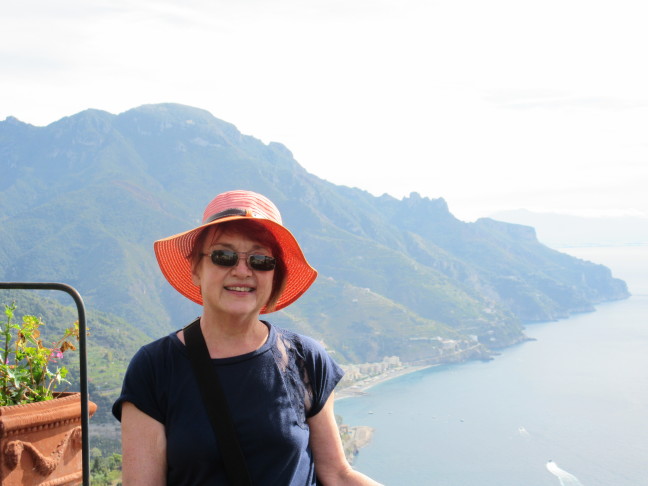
[(255, 231)]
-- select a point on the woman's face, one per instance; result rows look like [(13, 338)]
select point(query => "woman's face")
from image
[(237, 291)]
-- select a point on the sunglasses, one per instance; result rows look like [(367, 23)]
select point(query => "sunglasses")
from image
[(229, 258)]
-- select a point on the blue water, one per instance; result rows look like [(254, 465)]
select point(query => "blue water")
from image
[(570, 408)]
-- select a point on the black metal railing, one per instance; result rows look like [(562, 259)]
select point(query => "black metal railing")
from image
[(83, 365)]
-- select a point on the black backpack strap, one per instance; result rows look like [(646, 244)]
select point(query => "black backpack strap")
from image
[(216, 405)]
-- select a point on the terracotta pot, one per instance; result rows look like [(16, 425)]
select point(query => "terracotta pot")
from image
[(40, 443)]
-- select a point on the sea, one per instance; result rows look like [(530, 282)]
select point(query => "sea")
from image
[(569, 408)]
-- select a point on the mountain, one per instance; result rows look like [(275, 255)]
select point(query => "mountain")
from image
[(83, 199)]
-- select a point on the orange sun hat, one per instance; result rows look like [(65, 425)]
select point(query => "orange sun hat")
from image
[(173, 253)]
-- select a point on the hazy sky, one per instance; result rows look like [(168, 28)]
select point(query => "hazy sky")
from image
[(489, 104)]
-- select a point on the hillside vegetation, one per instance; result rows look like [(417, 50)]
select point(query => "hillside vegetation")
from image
[(83, 199)]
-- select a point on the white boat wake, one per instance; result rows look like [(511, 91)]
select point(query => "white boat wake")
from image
[(565, 478)]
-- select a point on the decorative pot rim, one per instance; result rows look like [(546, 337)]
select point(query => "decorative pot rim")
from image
[(8, 409), (63, 409)]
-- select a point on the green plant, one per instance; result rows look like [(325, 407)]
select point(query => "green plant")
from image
[(29, 370)]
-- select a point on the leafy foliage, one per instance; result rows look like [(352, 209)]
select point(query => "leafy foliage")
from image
[(29, 370), (105, 469)]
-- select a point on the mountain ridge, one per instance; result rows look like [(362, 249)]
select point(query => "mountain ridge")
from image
[(97, 189)]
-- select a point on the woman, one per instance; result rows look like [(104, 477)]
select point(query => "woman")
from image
[(240, 263)]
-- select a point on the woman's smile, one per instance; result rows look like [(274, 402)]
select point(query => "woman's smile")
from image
[(239, 289)]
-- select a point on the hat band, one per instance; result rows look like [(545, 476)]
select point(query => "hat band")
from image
[(226, 213)]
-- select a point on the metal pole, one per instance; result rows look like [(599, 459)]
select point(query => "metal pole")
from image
[(83, 365)]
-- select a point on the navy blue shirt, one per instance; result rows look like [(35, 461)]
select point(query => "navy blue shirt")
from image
[(270, 393)]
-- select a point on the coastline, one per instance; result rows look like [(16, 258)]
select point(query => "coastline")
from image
[(355, 437), (361, 387)]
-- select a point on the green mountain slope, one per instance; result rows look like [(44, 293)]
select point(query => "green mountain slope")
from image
[(83, 199)]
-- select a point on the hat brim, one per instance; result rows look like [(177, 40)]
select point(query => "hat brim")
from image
[(173, 256)]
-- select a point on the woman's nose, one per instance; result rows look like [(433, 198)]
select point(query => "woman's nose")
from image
[(242, 266)]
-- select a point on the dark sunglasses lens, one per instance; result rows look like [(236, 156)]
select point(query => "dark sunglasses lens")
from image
[(262, 262), (224, 258), (229, 258)]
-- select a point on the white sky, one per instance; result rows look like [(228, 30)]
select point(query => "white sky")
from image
[(491, 105)]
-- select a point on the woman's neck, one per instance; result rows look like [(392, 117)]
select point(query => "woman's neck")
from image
[(227, 337)]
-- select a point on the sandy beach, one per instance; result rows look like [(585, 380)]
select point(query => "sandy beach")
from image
[(362, 386)]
